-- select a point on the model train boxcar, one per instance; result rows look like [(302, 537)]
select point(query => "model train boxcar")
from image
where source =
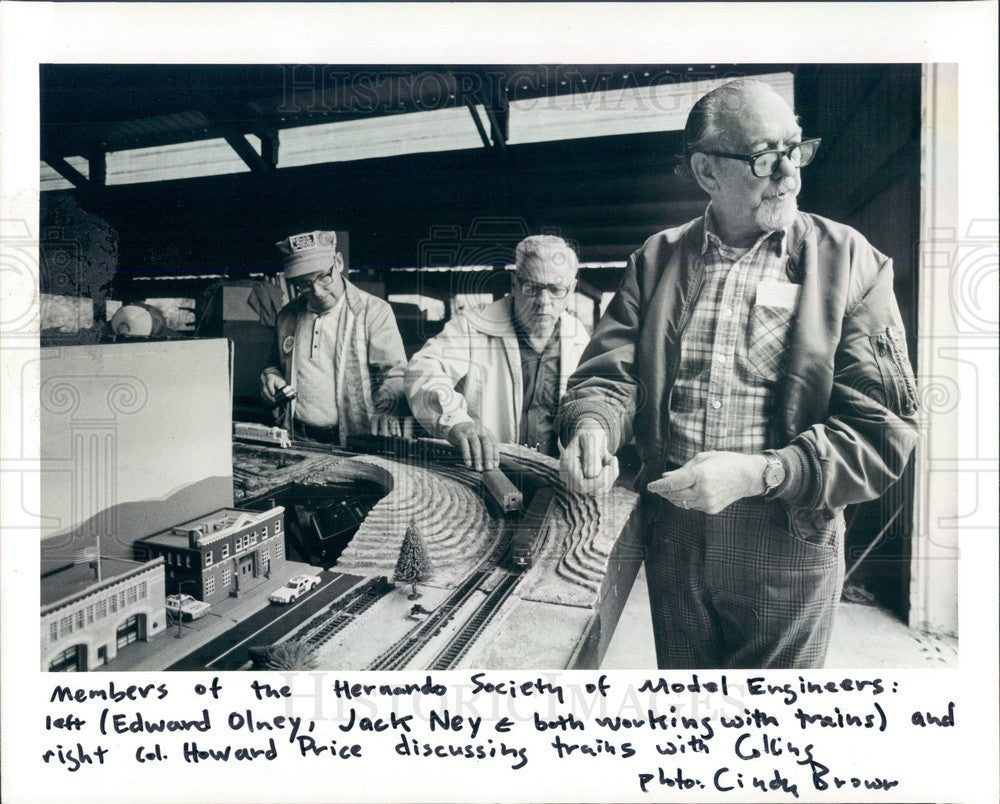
[(527, 537), (501, 492)]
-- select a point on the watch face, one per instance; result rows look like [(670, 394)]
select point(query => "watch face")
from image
[(774, 474)]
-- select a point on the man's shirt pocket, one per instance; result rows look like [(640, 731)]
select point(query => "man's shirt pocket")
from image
[(767, 335)]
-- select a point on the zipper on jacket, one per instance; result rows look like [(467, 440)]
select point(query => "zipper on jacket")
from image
[(682, 325), (897, 351), (896, 378)]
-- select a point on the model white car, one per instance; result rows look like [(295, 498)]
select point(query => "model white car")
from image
[(186, 606), (297, 586)]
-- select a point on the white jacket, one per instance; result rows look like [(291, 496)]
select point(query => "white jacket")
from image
[(472, 371)]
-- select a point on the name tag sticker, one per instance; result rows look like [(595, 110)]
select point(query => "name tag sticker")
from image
[(778, 294)]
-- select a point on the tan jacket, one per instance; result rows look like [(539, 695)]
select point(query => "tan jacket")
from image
[(472, 371)]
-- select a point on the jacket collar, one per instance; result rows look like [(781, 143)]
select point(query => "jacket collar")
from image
[(497, 319), (792, 235)]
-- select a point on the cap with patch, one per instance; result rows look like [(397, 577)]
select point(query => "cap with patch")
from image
[(308, 253)]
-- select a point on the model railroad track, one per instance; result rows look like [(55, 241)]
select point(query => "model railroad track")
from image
[(399, 655), (346, 609), (459, 645)]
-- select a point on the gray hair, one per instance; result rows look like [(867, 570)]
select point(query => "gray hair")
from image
[(545, 247), (705, 127)]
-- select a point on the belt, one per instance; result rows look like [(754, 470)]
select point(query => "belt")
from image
[(326, 435)]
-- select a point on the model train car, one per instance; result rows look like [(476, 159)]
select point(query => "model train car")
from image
[(500, 492), (527, 538), (402, 449), (262, 434)]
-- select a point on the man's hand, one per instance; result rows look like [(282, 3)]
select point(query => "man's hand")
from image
[(586, 465), (712, 481), (270, 383), (479, 446), (385, 424)]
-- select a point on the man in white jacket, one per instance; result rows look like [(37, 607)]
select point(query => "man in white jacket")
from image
[(495, 375)]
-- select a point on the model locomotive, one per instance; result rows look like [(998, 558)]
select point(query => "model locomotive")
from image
[(262, 434)]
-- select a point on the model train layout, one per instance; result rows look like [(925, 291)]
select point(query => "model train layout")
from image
[(522, 572)]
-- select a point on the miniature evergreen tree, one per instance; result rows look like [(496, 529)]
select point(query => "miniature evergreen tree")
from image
[(414, 564), (290, 655)]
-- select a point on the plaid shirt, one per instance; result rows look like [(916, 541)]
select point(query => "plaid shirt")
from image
[(732, 351)]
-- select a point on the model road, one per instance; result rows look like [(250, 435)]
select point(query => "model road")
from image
[(228, 651)]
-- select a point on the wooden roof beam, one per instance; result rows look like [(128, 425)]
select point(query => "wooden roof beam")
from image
[(67, 171)]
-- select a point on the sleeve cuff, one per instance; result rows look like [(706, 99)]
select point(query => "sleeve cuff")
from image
[(800, 478), (449, 420), (571, 416)]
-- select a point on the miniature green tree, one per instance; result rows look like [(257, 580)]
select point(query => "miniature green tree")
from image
[(414, 564)]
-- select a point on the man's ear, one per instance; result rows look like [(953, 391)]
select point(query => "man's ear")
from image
[(338, 262), (704, 169)]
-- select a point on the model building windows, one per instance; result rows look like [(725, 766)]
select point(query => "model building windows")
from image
[(53, 631), (209, 558), (210, 586), (90, 614), (113, 604), (101, 609), (79, 619), (277, 526), (143, 590), (132, 594), (225, 551), (187, 560), (277, 549), (65, 626), (253, 537), (227, 575)]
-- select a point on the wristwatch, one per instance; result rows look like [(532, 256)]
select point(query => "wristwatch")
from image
[(774, 473)]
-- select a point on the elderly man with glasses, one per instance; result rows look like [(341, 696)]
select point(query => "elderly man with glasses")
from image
[(757, 356), (495, 375), (337, 347)]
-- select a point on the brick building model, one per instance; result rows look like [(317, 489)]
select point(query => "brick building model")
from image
[(85, 629), (225, 553)]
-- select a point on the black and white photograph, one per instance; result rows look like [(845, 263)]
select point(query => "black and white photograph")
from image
[(320, 342), (522, 376)]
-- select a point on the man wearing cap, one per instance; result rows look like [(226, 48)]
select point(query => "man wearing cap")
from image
[(495, 375), (337, 346), (757, 355)]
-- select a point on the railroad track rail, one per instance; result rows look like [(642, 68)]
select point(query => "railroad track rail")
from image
[(400, 654), (459, 644), (344, 611)]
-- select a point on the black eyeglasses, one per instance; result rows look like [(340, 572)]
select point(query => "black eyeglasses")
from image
[(764, 163), (535, 289)]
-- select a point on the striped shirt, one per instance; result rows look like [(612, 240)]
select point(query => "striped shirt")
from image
[(733, 349)]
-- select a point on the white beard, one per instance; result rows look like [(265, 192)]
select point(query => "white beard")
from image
[(776, 213)]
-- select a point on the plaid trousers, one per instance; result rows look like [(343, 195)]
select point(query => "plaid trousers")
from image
[(754, 586)]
